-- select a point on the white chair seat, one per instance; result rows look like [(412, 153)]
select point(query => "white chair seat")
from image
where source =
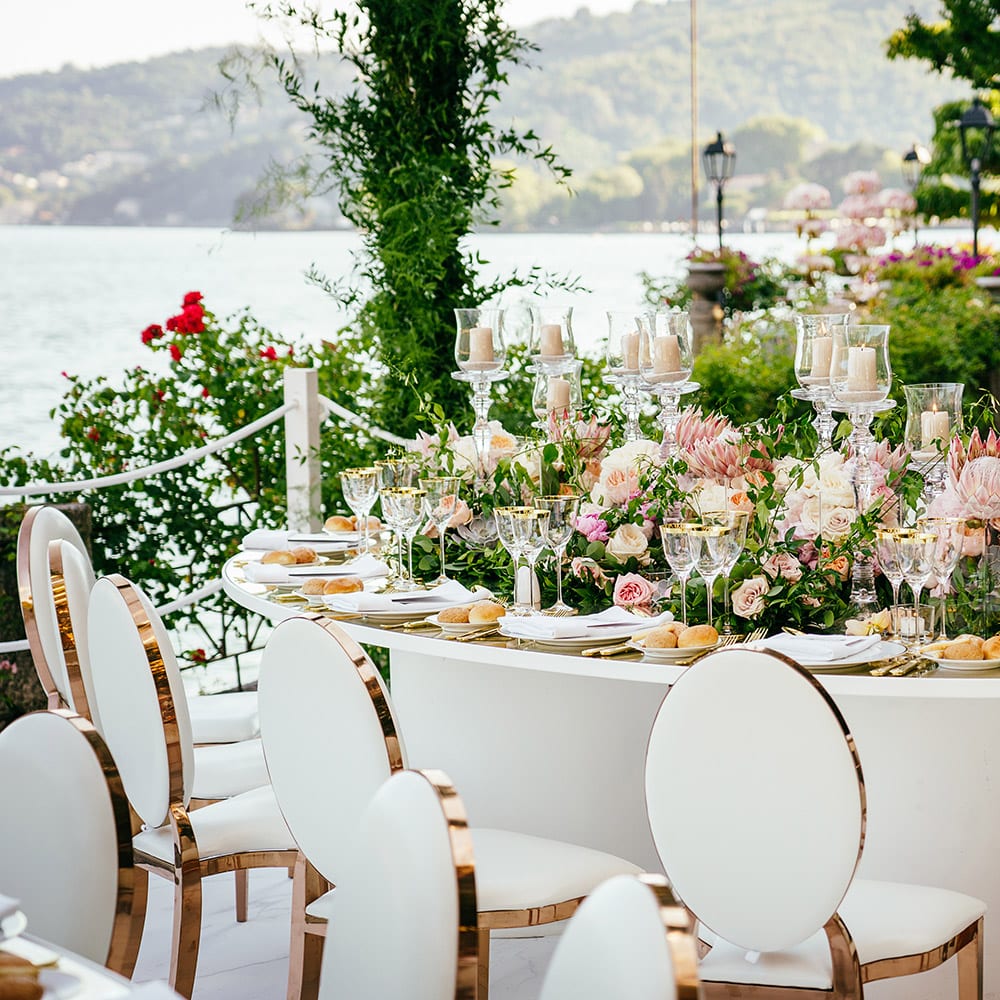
[(224, 718), (245, 823), (228, 769), (885, 919)]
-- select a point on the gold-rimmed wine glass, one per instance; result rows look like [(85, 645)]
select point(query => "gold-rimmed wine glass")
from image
[(950, 535), (563, 511), (681, 555), (513, 541), (532, 527), (394, 473), (442, 502), (738, 521), (360, 488), (889, 560), (916, 554), (405, 507), (711, 541)]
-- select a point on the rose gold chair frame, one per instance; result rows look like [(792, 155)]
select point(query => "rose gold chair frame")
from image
[(308, 931), (849, 975), (189, 867)]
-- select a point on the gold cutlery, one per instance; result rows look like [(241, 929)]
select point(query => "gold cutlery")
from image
[(486, 633), (622, 647)]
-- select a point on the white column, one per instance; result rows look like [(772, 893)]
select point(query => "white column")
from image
[(302, 465)]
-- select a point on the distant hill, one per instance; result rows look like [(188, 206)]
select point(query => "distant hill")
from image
[(141, 144)]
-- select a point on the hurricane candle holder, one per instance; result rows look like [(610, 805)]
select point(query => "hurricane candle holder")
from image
[(622, 357), (813, 356), (860, 377), (933, 417), (665, 366), (480, 356), (558, 395), (551, 334)]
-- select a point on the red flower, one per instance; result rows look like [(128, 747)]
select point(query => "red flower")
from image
[(151, 333), (172, 323), (94, 434), (198, 656), (205, 393), (270, 353), (160, 393), (192, 298), (191, 319), (291, 352), (175, 352)]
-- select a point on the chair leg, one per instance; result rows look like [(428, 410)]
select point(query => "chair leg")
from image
[(127, 935), (305, 954), (240, 878), (483, 972), (187, 904), (970, 967)]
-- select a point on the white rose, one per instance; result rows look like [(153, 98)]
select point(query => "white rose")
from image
[(749, 597), (629, 540), (810, 515), (837, 522), (634, 453), (466, 457)]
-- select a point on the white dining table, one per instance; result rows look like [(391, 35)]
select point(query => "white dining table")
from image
[(554, 744)]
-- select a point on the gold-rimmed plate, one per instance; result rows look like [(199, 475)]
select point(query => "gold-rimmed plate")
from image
[(456, 628), (662, 655), (966, 666)]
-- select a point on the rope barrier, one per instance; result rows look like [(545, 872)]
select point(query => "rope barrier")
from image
[(151, 470), (359, 421), (13, 647)]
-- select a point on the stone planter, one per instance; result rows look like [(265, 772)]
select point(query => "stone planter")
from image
[(706, 281)]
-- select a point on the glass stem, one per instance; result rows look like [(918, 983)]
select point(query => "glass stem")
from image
[(441, 531), (684, 600), (708, 598), (944, 614), (409, 555), (559, 597), (399, 546), (726, 626)]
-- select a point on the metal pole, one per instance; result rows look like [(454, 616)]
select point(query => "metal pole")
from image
[(694, 119), (975, 208), (718, 211)]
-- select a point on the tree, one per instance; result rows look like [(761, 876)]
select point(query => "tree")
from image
[(966, 42), (412, 151)]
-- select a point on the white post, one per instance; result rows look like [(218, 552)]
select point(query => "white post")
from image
[(302, 466)]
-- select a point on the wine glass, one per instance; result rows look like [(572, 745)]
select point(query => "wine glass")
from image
[(916, 553), (950, 535), (532, 526), (711, 542), (738, 522), (513, 542), (360, 488), (888, 557), (394, 472), (404, 508), (681, 555), (442, 501), (562, 520)]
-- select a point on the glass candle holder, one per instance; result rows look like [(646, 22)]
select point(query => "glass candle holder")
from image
[(859, 367), (557, 394), (665, 347), (552, 333), (933, 417), (814, 347), (622, 358), (479, 343)]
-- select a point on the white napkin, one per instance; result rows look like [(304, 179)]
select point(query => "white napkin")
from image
[(266, 538), (366, 566), (280, 538), (443, 596), (12, 921), (815, 649), (610, 624)]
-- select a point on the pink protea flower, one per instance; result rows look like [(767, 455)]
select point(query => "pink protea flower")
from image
[(889, 458), (959, 455), (693, 427), (978, 488), (722, 459)]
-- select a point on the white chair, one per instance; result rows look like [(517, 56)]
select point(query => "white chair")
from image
[(404, 920), (139, 696), (330, 740), (628, 939), (66, 839), (762, 837), (57, 649)]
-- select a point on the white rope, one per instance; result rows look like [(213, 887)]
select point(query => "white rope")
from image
[(358, 421), (179, 461), (13, 647)]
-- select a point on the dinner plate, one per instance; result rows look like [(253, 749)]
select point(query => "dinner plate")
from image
[(969, 666), (660, 655), (574, 643), (884, 650), (456, 628)]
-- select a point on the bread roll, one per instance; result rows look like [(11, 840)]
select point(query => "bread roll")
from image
[(974, 640), (661, 637), (991, 648), (697, 635), (373, 524), (454, 616), (21, 988), (304, 554), (16, 967), (281, 557), (337, 522), (314, 585), (675, 627), (483, 612), (963, 650), (343, 585)]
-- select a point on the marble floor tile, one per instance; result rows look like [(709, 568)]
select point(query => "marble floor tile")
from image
[(250, 961)]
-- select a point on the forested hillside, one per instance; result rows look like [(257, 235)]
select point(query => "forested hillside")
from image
[(803, 89)]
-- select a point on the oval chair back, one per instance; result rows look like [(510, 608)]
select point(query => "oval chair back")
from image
[(140, 698), (405, 917), (628, 939), (39, 527), (755, 798), (67, 841), (329, 734)]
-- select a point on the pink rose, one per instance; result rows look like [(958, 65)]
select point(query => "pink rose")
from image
[(582, 568), (631, 590), (785, 565), (593, 528), (750, 596), (618, 485), (462, 515)]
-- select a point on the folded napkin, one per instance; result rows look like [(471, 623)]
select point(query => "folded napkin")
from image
[(815, 649), (12, 921), (612, 623), (266, 538), (366, 566), (443, 596)]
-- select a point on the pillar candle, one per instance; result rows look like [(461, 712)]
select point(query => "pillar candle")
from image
[(481, 346), (862, 374), (630, 351), (666, 355), (935, 425), (558, 394), (551, 341), (822, 355)]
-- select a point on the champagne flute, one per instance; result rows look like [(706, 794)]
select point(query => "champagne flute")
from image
[(394, 472), (360, 488), (888, 557), (442, 501), (916, 552), (950, 535), (513, 542), (532, 526), (711, 542), (562, 511), (681, 556), (738, 521)]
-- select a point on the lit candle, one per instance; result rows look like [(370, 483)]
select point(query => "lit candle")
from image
[(822, 355), (862, 374), (558, 394), (630, 351), (935, 425), (551, 341), (481, 347), (666, 355)]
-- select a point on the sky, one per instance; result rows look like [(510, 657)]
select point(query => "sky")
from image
[(48, 34)]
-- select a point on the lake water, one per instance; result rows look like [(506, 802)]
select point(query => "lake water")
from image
[(75, 299)]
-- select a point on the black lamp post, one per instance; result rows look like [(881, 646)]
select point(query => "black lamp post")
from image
[(975, 129), (914, 160), (719, 158)]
